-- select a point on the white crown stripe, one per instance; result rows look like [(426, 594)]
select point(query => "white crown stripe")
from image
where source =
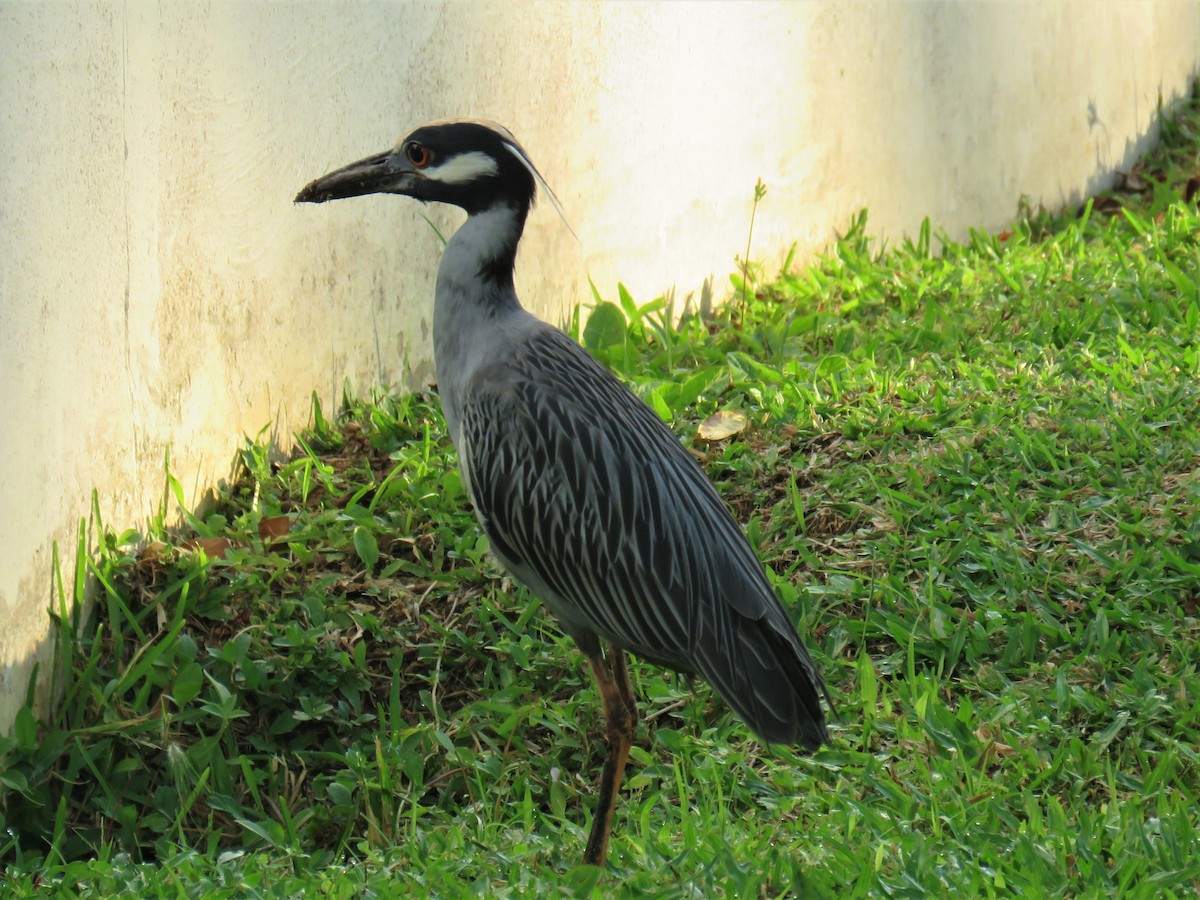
[(463, 168)]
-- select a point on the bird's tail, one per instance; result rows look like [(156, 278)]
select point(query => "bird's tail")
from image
[(770, 681)]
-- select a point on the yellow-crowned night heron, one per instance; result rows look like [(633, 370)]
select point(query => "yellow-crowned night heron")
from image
[(586, 496)]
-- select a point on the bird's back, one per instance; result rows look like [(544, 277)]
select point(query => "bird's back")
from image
[(592, 502)]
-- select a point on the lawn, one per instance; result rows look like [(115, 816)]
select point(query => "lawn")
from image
[(972, 469)]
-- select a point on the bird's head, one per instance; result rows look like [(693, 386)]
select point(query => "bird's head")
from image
[(471, 164)]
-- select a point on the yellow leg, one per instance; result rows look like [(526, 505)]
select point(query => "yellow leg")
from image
[(620, 715)]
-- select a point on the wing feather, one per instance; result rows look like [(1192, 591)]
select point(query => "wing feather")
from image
[(591, 501)]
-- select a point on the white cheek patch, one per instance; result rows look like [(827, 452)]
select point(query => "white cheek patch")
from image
[(464, 168)]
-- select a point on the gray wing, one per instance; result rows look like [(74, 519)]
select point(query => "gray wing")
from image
[(591, 501)]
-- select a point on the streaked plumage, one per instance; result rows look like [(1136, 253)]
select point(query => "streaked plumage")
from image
[(591, 501), (587, 497)]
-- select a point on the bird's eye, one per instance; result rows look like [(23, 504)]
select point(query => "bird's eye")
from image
[(418, 154)]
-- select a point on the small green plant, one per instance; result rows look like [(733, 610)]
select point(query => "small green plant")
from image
[(760, 191)]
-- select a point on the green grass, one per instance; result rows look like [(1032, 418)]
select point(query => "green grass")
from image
[(973, 469)]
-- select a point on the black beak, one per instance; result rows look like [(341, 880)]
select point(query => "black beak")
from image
[(384, 173)]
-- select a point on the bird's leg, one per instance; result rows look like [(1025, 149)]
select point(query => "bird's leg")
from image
[(620, 715)]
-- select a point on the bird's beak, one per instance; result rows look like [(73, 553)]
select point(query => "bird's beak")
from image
[(384, 173)]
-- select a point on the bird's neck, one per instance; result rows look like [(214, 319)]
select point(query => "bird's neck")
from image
[(475, 301), (483, 252), (475, 278)]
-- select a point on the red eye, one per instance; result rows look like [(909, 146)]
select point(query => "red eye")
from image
[(418, 155)]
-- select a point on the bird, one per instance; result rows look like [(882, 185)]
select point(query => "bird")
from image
[(586, 496)]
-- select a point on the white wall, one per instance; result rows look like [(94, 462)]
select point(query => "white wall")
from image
[(160, 292)]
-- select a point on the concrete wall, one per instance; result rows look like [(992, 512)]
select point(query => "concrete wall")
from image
[(159, 291)]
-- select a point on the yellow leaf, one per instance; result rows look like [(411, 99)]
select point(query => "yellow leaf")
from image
[(723, 424)]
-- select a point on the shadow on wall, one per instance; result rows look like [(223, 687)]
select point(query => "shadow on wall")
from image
[(23, 684)]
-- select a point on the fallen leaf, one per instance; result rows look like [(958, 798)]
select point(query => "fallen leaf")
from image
[(994, 747), (722, 425), (275, 529), (214, 548)]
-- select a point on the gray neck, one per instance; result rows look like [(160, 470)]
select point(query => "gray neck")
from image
[(475, 304)]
